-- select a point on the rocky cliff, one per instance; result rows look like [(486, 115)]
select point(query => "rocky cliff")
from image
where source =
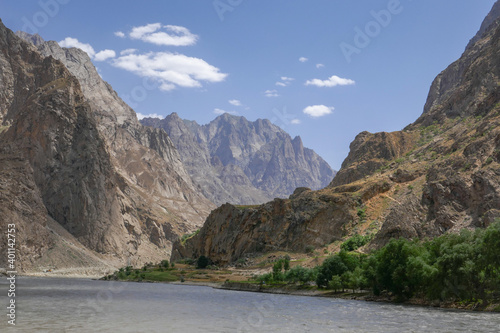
[(440, 174), (85, 184), (242, 162)]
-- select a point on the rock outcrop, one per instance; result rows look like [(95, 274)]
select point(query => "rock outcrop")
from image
[(80, 177), (242, 162), (440, 174)]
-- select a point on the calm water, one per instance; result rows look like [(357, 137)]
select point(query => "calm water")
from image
[(71, 305)]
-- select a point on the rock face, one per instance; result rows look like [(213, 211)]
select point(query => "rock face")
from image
[(369, 152), (242, 162), (440, 174), (80, 177)]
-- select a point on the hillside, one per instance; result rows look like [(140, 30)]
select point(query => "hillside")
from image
[(87, 186), (438, 175)]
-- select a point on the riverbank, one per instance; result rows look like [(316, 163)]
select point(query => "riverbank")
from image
[(297, 290)]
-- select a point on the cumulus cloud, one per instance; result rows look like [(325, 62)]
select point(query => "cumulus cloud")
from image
[(320, 65), (332, 81), (152, 115), (170, 35), (120, 34), (170, 70), (303, 59), (285, 81), (220, 111), (295, 121), (271, 93), (97, 56), (234, 102), (104, 55), (318, 110), (73, 42), (128, 51)]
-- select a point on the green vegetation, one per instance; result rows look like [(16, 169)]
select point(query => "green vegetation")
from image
[(185, 237), (362, 214), (461, 267), (282, 273), (355, 242), (309, 249), (150, 272), (202, 262)]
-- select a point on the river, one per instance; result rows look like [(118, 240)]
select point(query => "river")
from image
[(82, 305)]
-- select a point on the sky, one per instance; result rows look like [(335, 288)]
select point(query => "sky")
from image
[(325, 70)]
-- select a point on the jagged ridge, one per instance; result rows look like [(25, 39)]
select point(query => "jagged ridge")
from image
[(242, 162)]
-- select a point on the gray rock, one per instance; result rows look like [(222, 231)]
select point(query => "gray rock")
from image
[(242, 162)]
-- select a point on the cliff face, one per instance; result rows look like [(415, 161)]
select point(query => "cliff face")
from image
[(440, 174), (242, 162), (80, 177)]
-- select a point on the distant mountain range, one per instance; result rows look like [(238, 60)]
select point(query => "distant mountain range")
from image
[(242, 162)]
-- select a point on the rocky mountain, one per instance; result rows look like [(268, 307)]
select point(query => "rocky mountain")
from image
[(86, 185), (242, 162), (440, 174)]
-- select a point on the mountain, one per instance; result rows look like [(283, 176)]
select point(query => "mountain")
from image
[(86, 185), (242, 162), (440, 174)]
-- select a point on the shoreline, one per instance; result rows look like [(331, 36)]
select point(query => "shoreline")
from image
[(297, 291), (362, 296)]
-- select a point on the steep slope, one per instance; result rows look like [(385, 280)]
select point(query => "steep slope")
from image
[(242, 162), (440, 174), (129, 141), (80, 188)]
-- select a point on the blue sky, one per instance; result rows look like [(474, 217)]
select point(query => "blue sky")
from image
[(325, 70)]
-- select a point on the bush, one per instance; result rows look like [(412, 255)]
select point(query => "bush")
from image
[(355, 242), (202, 262), (164, 263), (300, 274)]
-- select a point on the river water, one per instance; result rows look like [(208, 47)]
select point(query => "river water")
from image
[(80, 305)]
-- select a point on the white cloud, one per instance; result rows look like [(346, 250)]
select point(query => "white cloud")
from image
[(120, 34), (318, 110), (171, 70), (128, 51), (152, 115), (271, 93), (73, 42), (234, 102), (320, 65), (285, 81), (295, 121), (220, 111), (172, 35), (330, 82), (99, 56), (303, 59), (104, 55)]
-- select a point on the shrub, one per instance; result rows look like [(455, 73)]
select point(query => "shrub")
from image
[(355, 242), (202, 262), (309, 249)]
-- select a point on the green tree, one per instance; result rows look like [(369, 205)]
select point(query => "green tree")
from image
[(335, 283), (202, 262), (331, 266)]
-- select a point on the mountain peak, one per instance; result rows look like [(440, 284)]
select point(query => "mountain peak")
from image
[(35, 39), (490, 22)]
